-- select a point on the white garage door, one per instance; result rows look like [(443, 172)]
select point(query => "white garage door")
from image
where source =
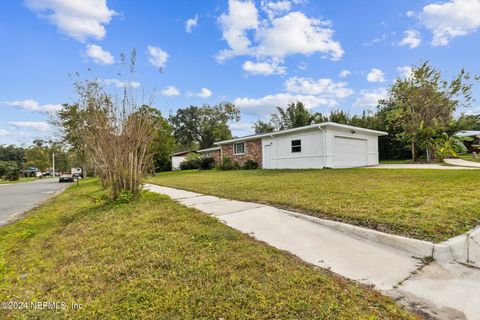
[(349, 152)]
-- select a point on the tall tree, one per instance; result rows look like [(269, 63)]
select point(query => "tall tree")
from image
[(38, 155), (261, 127), (164, 143), (12, 153), (294, 116), (422, 106), (71, 120), (200, 127)]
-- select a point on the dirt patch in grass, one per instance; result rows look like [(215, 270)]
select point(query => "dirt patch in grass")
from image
[(155, 259), (430, 205)]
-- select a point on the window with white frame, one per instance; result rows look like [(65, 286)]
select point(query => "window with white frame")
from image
[(296, 145), (239, 148)]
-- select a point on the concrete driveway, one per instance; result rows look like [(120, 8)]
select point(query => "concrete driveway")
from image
[(18, 198)]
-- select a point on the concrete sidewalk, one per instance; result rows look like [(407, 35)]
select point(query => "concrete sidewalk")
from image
[(444, 291), (420, 166), (462, 163)]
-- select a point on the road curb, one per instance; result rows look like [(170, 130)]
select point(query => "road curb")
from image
[(418, 248)]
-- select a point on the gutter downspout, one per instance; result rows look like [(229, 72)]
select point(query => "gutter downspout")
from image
[(324, 133)]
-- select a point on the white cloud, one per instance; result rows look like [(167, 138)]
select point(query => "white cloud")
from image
[(204, 93), (405, 72), (344, 74), (98, 55), (376, 75), (277, 36), (242, 16), (295, 33), (33, 125), (191, 23), (170, 91), (276, 8), (157, 57), (451, 19), (409, 13), (242, 126), (369, 98), (412, 39), (79, 19), (265, 105), (265, 68), (4, 133), (121, 84), (326, 88), (33, 106)]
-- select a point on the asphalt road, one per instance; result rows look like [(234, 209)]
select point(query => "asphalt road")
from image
[(18, 198)]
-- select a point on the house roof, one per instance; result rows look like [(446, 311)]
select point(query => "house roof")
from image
[(312, 126), (209, 149), (468, 133), (181, 153)]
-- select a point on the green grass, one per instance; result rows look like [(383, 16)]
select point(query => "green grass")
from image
[(407, 161), (155, 259), (18, 181), (424, 204)]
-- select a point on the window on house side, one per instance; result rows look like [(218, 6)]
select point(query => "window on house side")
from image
[(239, 148), (296, 146)]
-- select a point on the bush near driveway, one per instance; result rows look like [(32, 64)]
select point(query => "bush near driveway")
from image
[(155, 259), (424, 204)]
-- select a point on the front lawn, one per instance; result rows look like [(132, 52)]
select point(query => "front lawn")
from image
[(424, 204), (155, 259)]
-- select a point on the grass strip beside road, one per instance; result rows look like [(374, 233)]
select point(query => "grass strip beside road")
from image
[(155, 259)]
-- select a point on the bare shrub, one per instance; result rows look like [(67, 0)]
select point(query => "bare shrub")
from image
[(118, 136)]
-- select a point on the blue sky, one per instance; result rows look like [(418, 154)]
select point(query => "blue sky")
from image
[(257, 54)]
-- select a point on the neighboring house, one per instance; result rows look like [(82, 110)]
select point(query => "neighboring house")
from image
[(213, 152), (178, 157), (324, 145), (472, 146)]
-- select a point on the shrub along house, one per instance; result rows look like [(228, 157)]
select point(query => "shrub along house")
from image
[(213, 152), (324, 145)]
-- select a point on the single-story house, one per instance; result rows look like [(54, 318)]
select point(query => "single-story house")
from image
[(213, 152), (179, 157), (472, 146), (323, 145)]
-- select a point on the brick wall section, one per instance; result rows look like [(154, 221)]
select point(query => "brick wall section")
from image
[(253, 151), (215, 155)]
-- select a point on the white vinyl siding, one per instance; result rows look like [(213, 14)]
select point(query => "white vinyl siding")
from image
[(331, 147)]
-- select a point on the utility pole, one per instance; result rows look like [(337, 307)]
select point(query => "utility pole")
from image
[(53, 163)]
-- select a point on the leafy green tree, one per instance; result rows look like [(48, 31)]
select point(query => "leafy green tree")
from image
[(38, 155), (294, 116), (12, 153), (200, 127), (9, 170), (422, 106), (262, 127), (164, 142), (449, 146), (339, 116), (72, 124)]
